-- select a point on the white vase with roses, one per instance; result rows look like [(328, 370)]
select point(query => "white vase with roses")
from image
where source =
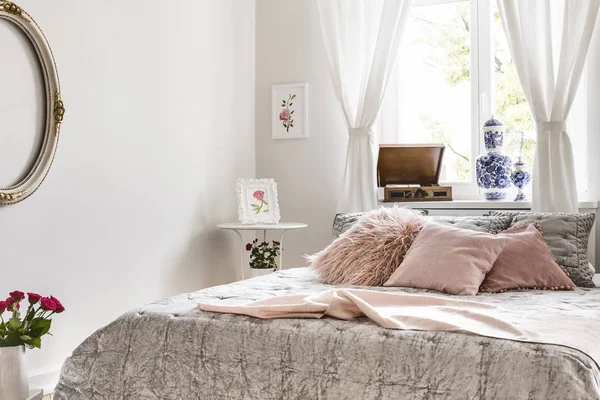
[(23, 329)]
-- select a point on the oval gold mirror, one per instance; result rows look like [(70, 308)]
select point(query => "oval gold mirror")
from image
[(31, 109)]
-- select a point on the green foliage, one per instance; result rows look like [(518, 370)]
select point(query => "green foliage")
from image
[(441, 134), (452, 38), (262, 255)]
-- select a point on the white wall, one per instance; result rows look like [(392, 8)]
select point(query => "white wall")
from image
[(309, 172), (159, 125)]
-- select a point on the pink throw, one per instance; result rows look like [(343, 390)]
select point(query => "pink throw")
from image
[(426, 312)]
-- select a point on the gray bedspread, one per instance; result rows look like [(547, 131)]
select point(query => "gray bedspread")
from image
[(171, 350)]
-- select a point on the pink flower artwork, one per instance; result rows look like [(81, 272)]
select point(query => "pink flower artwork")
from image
[(262, 205), (286, 114)]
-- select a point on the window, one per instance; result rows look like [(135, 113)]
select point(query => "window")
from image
[(454, 71)]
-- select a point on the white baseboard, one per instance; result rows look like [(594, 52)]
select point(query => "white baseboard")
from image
[(45, 379)]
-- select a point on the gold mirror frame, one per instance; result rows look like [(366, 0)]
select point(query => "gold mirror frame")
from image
[(55, 109)]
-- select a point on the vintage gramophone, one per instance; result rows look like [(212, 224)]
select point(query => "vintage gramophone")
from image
[(411, 172)]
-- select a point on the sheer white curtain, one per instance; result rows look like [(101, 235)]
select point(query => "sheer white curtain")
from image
[(549, 40), (362, 40)]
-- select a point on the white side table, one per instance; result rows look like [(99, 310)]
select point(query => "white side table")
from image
[(281, 227)]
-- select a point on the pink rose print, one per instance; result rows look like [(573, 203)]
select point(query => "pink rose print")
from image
[(259, 194), (258, 207), (286, 115)]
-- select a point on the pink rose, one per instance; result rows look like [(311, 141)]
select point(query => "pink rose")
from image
[(33, 298), (17, 295), (48, 304), (293, 97), (259, 195), (284, 115), (59, 307), (12, 304)]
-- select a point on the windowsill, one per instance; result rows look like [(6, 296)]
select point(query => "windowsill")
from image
[(479, 205)]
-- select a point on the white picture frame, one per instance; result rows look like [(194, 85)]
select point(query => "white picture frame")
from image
[(289, 111), (257, 201)]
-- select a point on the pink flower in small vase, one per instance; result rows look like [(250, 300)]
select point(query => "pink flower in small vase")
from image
[(259, 195), (284, 115)]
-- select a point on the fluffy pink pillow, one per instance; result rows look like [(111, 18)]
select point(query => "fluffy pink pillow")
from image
[(371, 250), (525, 262), (448, 259)]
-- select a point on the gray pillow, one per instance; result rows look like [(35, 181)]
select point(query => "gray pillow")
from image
[(344, 221), (474, 223), (567, 236)]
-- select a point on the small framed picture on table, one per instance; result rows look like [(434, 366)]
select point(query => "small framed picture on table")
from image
[(257, 201), (289, 111)]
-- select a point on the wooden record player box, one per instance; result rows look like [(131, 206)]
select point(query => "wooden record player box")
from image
[(411, 172)]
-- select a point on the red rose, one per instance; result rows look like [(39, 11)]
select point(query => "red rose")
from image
[(259, 195), (12, 304), (276, 243), (33, 298), (249, 247), (284, 115), (264, 244), (48, 304), (59, 307), (17, 295), (3, 306)]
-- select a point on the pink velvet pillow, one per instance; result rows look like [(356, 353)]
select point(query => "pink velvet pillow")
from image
[(525, 262), (371, 250), (448, 259)]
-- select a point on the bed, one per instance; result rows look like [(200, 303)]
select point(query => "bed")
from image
[(171, 350)]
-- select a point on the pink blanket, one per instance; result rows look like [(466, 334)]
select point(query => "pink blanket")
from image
[(428, 312)]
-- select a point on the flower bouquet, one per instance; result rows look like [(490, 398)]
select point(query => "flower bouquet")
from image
[(22, 330), (28, 328), (262, 255)]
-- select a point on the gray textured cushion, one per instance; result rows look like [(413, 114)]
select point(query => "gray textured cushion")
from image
[(567, 236), (344, 221), (475, 223)]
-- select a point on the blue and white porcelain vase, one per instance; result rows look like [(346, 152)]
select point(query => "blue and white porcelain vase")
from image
[(520, 178), (493, 168)]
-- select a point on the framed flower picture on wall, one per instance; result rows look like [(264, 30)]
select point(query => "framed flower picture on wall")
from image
[(257, 201), (289, 111)]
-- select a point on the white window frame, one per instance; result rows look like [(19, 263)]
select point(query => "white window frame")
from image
[(482, 89)]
